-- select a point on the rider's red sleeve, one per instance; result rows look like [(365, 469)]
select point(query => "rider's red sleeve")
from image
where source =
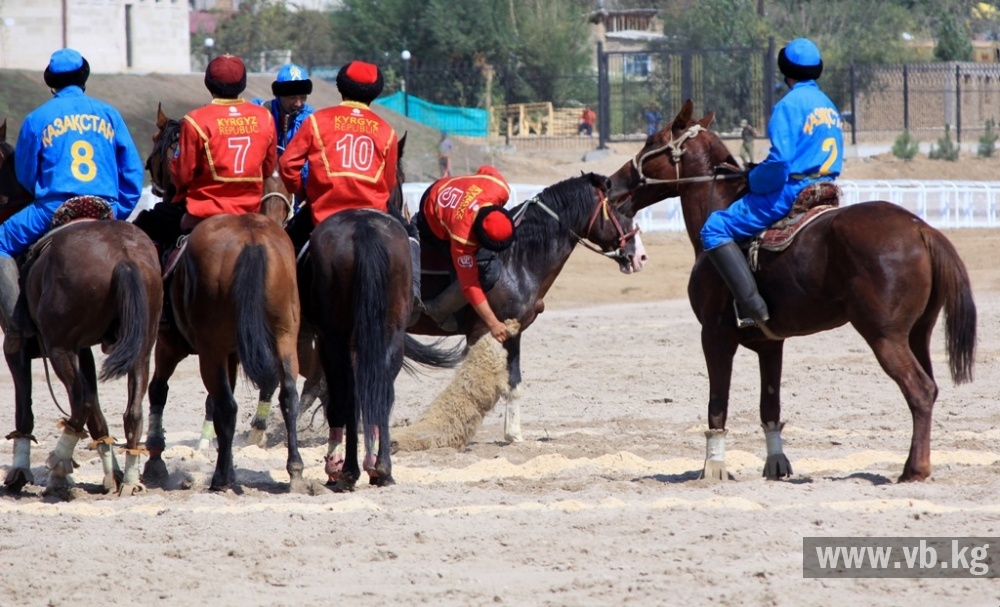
[(464, 258)]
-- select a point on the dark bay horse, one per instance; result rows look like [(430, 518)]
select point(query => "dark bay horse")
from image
[(549, 227), (361, 299), (874, 265), (95, 282), (235, 302)]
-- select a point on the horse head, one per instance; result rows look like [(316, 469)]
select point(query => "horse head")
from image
[(396, 199), (165, 141), (613, 232), (683, 153)]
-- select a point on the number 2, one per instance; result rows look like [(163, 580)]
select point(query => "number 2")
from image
[(829, 145)]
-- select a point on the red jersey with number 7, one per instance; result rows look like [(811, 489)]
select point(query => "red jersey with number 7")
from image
[(352, 158), (226, 149)]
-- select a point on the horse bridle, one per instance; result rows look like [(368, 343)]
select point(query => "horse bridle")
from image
[(676, 148), (603, 207), (171, 132)]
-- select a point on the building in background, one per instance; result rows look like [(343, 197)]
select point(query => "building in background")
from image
[(116, 36)]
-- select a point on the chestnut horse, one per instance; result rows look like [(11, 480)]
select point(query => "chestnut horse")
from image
[(95, 282), (549, 226), (235, 301), (874, 265)]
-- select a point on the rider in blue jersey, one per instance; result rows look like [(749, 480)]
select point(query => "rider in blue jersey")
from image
[(289, 109), (72, 145), (807, 143)]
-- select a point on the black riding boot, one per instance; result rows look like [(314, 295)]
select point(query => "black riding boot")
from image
[(443, 307), (14, 325), (732, 265)]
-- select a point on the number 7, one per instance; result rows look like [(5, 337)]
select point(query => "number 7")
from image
[(242, 146)]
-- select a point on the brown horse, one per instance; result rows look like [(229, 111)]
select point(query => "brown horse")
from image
[(94, 282), (235, 301), (549, 226), (873, 265)]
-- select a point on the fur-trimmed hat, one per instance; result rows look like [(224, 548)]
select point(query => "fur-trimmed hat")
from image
[(493, 228), (226, 76), (360, 81), (800, 60), (67, 67), (292, 80)]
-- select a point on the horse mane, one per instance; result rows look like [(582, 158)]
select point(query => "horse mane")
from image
[(169, 135), (537, 228)]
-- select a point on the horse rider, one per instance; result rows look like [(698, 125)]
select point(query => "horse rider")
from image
[(291, 89), (466, 215), (72, 145), (807, 143), (225, 150), (353, 153)]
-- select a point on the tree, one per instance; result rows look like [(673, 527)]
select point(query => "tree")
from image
[(952, 39)]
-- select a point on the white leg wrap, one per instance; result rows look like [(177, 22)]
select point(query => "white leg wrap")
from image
[(715, 445), (207, 434), (65, 446), (107, 454), (777, 465), (22, 453), (715, 455), (263, 409), (512, 417), (155, 425), (772, 436), (131, 469)]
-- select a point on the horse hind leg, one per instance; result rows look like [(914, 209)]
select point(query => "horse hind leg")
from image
[(60, 461), (512, 400), (901, 364), (97, 425), (19, 474), (137, 380), (289, 400)]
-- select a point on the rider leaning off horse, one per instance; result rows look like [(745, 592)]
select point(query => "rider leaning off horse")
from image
[(72, 145), (806, 136), (291, 89), (224, 151), (353, 153), (468, 212)]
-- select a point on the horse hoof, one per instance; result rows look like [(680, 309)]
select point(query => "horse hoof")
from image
[(298, 485), (204, 444), (154, 472), (110, 483), (777, 466), (333, 466), (715, 471), (342, 485), (381, 481), (514, 438), (130, 489), (17, 478), (256, 437), (59, 487)]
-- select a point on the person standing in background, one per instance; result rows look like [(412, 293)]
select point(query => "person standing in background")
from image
[(747, 134), (445, 147), (587, 120)]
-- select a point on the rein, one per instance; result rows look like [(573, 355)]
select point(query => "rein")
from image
[(285, 199), (676, 149), (604, 207)]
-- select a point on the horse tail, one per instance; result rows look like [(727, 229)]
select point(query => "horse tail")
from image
[(373, 386), (133, 321), (951, 281), (255, 342), (432, 355)]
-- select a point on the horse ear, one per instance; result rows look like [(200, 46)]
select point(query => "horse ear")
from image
[(161, 118), (707, 120), (684, 116), (402, 144), (3, 130)]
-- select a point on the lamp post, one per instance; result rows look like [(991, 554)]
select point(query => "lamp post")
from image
[(405, 56), (209, 43)]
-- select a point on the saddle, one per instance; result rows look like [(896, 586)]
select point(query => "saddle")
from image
[(78, 208), (813, 201)]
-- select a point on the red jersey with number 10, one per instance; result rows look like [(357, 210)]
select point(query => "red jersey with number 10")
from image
[(352, 158), (226, 149)]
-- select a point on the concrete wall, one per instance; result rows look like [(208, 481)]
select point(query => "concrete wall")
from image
[(155, 39)]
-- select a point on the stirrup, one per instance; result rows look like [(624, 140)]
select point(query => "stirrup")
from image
[(744, 321)]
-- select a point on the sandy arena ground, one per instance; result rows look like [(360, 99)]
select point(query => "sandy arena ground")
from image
[(600, 505)]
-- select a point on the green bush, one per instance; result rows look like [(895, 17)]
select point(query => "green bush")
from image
[(906, 146), (987, 141), (946, 150)]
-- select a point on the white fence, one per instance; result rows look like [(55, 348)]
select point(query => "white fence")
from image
[(943, 204)]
